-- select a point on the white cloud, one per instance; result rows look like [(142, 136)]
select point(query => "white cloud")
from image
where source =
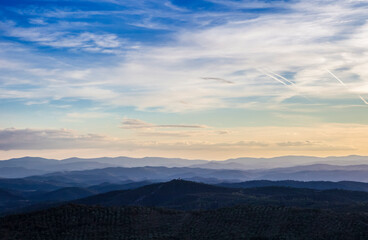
[(62, 37), (303, 42), (298, 44)]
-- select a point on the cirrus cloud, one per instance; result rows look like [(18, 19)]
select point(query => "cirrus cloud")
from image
[(129, 123)]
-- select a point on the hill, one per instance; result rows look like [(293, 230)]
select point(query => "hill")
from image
[(357, 173), (99, 170), (27, 195), (29, 166), (8, 196), (177, 194), (119, 174), (186, 195), (25, 184), (241, 222), (108, 187), (320, 185), (64, 194)]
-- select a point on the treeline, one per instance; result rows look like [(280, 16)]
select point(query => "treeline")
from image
[(78, 222)]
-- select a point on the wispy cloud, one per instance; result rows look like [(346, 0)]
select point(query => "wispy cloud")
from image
[(47, 36), (13, 139), (218, 79), (164, 77), (296, 144), (128, 123), (343, 84)]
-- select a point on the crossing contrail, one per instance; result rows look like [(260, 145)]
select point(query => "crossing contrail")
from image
[(265, 72), (342, 83), (277, 79), (278, 75), (283, 81)]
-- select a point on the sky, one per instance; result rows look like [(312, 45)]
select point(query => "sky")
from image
[(203, 79)]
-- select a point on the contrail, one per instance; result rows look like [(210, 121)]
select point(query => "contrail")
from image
[(283, 81), (273, 77), (277, 79), (287, 80), (338, 79), (363, 100), (342, 83)]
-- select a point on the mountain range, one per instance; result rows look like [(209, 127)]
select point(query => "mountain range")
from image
[(30, 166), (125, 181), (317, 172)]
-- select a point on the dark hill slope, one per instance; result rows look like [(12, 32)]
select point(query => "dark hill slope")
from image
[(319, 185), (7, 195), (64, 194), (178, 194), (9, 199), (71, 222), (186, 195), (23, 184), (108, 187)]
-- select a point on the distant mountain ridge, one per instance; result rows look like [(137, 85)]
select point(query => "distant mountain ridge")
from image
[(119, 174), (29, 166), (283, 162), (332, 173)]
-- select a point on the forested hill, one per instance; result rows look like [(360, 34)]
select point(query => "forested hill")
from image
[(202, 212), (239, 222), (187, 195)]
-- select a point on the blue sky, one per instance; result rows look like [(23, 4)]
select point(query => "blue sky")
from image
[(194, 79)]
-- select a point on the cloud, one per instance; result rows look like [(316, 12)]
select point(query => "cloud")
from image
[(323, 140), (296, 144), (129, 123), (31, 139), (314, 146), (218, 79), (37, 21), (297, 43), (63, 38), (223, 132)]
